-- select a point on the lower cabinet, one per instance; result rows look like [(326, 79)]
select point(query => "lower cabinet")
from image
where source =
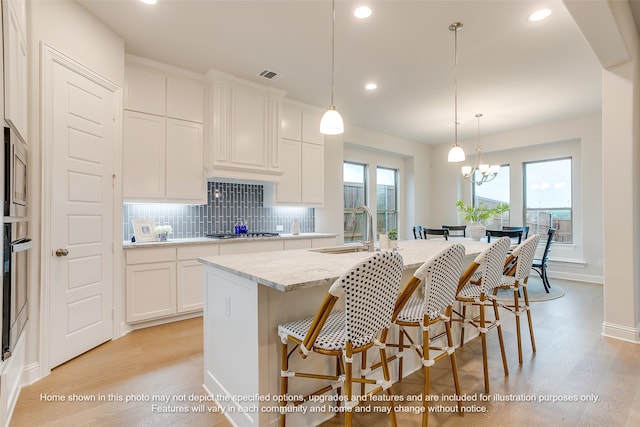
[(163, 282), (151, 291), (166, 281)]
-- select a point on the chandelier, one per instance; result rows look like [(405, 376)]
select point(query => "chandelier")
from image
[(456, 154), (487, 173)]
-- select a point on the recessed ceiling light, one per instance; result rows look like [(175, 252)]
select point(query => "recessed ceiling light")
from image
[(371, 86), (149, 1), (362, 12), (539, 15)]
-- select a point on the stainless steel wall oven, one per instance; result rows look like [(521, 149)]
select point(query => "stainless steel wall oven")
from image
[(16, 241)]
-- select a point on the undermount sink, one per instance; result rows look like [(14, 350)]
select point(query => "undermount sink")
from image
[(341, 249)]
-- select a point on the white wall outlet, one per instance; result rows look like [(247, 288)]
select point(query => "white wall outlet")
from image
[(279, 228)]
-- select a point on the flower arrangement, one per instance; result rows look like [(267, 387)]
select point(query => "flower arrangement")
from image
[(163, 231), (393, 234), (481, 212)]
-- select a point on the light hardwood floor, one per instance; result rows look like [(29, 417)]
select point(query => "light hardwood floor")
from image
[(573, 359)]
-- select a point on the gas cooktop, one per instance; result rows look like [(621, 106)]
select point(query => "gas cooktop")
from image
[(240, 236)]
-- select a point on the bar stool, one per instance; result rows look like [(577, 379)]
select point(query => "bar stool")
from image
[(490, 264), (370, 290), (515, 278), (440, 275)]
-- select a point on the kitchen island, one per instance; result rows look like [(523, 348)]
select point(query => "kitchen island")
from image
[(248, 296)]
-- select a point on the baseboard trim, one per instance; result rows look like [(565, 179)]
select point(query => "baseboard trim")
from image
[(621, 332), (576, 277)]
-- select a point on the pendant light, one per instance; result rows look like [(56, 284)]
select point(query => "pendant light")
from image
[(456, 154), (487, 172), (331, 122)]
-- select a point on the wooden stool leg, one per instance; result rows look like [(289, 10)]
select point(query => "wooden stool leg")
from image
[(516, 311), (387, 377), (462, 323), (400, 350), (348, 368), (505, 366), (427, 373), (483, 338), (363, 366), (526, 303), (284, 381), (454, 364)]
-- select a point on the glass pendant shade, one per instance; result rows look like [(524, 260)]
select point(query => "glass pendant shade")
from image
[(331, 122), (456, 154)]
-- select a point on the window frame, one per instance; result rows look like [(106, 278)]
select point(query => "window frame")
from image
[(525, 209)]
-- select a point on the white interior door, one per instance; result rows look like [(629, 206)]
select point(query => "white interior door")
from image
[(81, 217)]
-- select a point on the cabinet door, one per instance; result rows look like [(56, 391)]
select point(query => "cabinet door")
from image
[(312, 176), (15, 66), (185, 99), (144, 156), (190, 286), (151, 291), (311, 127), (248, 132), (291, 123), (288, 188), (185, 161), (144, 90)]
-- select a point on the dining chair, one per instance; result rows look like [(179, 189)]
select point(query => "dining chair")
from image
[(489, 264), (540, 264), (460, 230), (519, 264), (525, 230), (417, 232), (370, 291), (442, 232), (440, 275), (514, 235)]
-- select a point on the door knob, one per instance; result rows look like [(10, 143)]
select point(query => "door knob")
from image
[(62, 252)]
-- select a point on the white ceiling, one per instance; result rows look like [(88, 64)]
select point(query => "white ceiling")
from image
[(515, 72)]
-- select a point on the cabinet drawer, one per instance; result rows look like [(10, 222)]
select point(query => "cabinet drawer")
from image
[(244, 247), (197, 251), (140, 256)]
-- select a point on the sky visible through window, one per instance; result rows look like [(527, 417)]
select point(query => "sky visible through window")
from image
[(548, 184)]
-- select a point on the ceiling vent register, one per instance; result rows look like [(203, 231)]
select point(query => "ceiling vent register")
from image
[(269, 74)]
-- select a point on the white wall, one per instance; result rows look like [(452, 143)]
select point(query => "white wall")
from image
[(66, 27)]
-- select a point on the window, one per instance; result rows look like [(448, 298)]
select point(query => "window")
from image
[(354, 183), (547, 198), (387, 199), (493, 192)]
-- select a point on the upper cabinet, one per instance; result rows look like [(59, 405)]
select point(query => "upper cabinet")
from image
[(301, 157), (242, 139), (163, 136), (14, 24)]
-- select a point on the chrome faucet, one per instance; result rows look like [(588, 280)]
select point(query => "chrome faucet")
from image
[(369, 243)]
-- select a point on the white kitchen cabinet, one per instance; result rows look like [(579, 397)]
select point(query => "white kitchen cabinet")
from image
[(145, 89), (165, 281), (185, 179), (151, 291), (162, 159), (190, 275), (301, 159), (245, 126), (14, 23), (163, 136), (185, 99), (144, 156), (150, 283), (154, 88)]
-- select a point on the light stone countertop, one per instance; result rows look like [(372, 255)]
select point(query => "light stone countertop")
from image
[(208, 240), (305, 268)]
